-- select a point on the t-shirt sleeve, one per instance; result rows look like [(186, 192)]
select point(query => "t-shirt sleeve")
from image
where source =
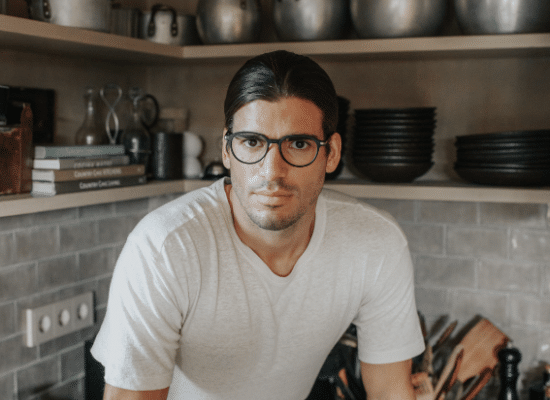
[(140, 334), (388, 327)]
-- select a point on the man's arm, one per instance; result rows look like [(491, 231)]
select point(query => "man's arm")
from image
[(388, 381), (114, 393)]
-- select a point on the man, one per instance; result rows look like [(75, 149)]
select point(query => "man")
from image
[(241, 289)]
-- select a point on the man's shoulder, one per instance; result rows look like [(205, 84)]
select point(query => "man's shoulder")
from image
[(188, 208), (354, 214), (341, 203)]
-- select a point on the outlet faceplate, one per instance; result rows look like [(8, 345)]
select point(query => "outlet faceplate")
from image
[(57, 319)]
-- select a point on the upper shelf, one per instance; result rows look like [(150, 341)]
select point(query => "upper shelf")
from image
[(29, 35)]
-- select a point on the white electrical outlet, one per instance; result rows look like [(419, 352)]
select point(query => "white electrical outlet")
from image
[(58, 319)]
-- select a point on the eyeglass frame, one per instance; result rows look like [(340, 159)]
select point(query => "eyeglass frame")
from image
[(230, 135)]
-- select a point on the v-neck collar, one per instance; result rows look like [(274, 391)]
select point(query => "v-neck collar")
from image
[(255, 260)]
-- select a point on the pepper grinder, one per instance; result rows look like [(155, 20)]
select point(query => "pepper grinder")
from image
[(509, 359)]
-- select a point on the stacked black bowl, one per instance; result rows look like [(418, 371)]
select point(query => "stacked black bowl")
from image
[(393, 145), (514, 158)]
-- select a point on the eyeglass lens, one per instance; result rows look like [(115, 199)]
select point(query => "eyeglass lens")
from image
[(251, 148)]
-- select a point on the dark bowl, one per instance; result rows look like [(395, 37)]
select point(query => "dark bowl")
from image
[(507, 158), (505, 176), (369, 158), (393, 131), (512, 145), (393, 140), (392, 149), (394, 127), (396, 111), (392, 172), (507, 136), (394, 121)]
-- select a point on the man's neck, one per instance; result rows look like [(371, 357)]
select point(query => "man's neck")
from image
[(279, 250)]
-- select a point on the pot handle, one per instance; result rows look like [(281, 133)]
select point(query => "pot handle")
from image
[(151, 28), (46, 10)]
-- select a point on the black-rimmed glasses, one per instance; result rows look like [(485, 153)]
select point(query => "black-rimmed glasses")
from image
[(252, 147)]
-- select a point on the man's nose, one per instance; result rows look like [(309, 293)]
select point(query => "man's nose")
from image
[(273, 164)]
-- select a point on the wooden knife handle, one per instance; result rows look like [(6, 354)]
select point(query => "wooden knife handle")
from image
[(482, 380)]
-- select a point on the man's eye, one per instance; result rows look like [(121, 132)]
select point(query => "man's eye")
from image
[(300, 144), (251, 141)]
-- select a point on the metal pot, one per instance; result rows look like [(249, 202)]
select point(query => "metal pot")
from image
[(125, 21), (242, 26), (164, 25), (502, 16), (310, 19), (87, 14), (402, 18)]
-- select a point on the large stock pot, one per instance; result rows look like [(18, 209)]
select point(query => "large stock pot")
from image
[(228, 21), (311, 19), (87, 14), (397, 18), (481, 17), (163, 24)]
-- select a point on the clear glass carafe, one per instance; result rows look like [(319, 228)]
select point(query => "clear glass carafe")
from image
[(135, 138), (90, 132)]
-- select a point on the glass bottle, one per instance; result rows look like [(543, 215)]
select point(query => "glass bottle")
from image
[(90, 133), (135, 138)]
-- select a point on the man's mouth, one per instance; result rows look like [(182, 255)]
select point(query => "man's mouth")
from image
[(275, 198)]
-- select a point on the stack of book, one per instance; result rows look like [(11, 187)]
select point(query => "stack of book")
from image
[(68, 169)]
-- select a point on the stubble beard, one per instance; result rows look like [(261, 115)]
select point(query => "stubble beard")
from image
[(271, 222)]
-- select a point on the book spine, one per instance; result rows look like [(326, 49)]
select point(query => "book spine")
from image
[(79, 163), (53, 188), (77, 151), (91, 173)]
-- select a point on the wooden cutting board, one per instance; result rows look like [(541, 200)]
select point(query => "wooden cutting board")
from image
[(481, 345)]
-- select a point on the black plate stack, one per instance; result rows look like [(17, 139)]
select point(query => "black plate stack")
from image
[(514, 158), (393, 144)]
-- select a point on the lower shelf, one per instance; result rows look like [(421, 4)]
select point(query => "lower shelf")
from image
[(432, 191)]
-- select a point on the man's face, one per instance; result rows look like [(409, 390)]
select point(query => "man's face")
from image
[(272, 194)]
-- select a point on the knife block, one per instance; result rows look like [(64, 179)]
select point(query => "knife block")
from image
[(16, 156)]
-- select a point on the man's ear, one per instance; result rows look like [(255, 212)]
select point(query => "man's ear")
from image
[(225, 151), (335, 143)]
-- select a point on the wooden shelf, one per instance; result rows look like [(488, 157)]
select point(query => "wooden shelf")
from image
[(35, 36), (43, 37), (26, 204), (11, 205)]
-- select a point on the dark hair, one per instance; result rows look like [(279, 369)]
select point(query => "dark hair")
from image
[(280, 74)]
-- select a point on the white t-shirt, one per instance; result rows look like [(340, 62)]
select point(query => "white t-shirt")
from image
[(193, 308)]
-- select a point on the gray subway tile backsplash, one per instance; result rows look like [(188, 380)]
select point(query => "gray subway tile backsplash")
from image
[(33, 244), (504, 214), (445, 272), (38, 377), (477, 242), (7, 387), (448, 212), (509, 276), (57, 271), (530, 245), (7, 320)]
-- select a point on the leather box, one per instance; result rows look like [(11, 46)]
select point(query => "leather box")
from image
[(16, 156)]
